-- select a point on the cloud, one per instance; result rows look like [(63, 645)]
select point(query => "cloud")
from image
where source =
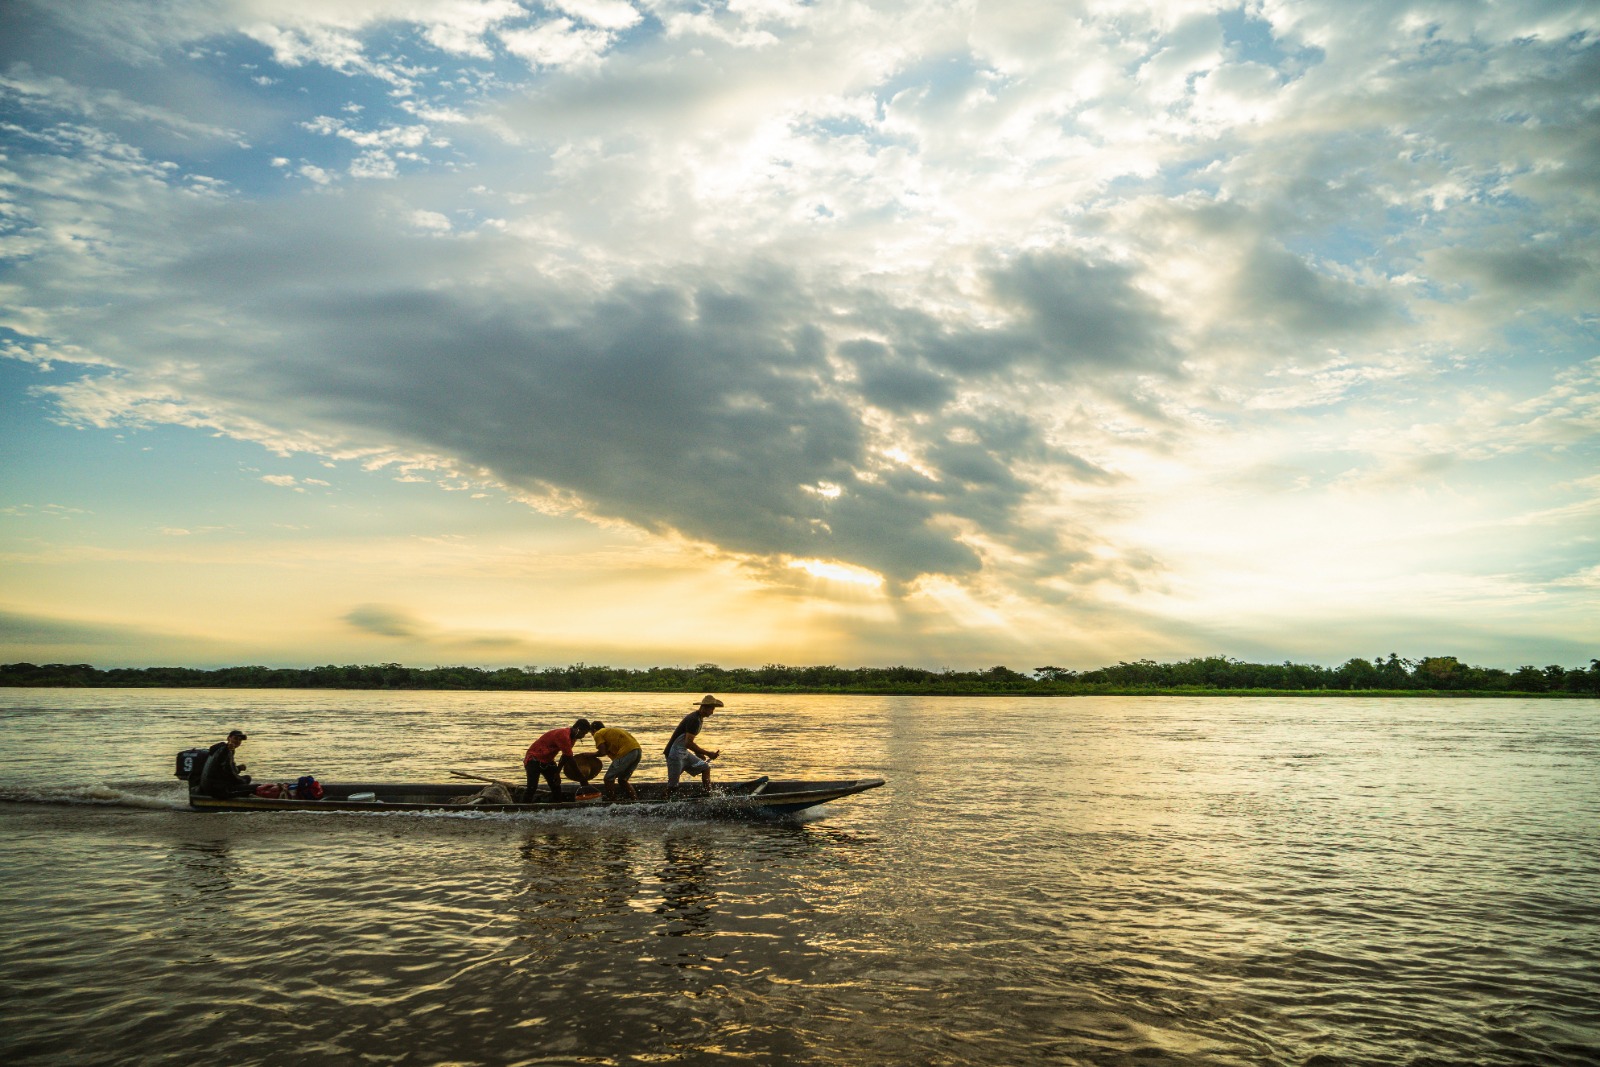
[(557, 43), (1278, 288), (104, 105), (384, 620), (896, 383), (1081, 312), (607, 14), (37, 630), (461, 27), (395, 624), (704, 412), (37, 638), (53, 511)]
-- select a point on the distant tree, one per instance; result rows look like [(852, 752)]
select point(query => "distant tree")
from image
[(1002, 677), (1441, 672), (1579, 681), (1357, 674), (775, 674), (1394, 672), (1530, 679), (1208, 672)]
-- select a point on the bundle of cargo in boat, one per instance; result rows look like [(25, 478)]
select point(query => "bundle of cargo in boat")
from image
[(489, 794)]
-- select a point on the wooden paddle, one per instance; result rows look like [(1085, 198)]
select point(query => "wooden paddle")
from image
[(479, 778)]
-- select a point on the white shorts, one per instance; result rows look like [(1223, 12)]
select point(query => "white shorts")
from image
[(680, 760)]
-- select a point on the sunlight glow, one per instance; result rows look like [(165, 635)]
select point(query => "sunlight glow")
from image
[(838, 572)]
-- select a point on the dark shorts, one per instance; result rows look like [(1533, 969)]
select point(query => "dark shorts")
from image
[(623, 766)]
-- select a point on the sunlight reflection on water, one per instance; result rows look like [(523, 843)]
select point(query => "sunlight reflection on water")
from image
[(1103, 881)]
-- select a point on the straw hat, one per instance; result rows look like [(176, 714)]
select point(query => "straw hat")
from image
[(708, 701)]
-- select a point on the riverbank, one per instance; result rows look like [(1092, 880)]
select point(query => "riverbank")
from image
[(1208, 676)]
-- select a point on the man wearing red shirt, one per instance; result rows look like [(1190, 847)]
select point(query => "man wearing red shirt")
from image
[(543, 755)]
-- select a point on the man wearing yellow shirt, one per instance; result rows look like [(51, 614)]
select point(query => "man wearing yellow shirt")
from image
[(625, 754)]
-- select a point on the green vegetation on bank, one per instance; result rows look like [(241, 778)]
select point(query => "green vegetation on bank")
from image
[(1211, 674)]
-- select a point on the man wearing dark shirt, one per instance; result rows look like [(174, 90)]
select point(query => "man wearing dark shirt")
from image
[(221, 778), (684, 754)]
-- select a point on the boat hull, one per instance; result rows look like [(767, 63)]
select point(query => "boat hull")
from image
[(756, 798)]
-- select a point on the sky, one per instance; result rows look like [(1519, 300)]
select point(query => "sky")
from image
[(948, 334)]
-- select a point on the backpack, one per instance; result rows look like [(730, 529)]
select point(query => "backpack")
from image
[(307, 788)]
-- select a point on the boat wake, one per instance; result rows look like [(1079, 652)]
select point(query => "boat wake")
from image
[(146, 795)]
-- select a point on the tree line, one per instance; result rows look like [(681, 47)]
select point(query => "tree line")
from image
[(1203, 674)]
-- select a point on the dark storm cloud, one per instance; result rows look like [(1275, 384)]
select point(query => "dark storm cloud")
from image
[(1085, 313), (896, 383), (711, 405), (706, 413), (1541, 270), (1070, 318), (1279, 289)]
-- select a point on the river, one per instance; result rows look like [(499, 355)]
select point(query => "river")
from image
[(1099, 881)]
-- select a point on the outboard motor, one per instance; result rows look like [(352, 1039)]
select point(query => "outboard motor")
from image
[(191, 761)]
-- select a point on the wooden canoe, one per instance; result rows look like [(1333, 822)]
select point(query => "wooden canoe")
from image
[(757, 797)]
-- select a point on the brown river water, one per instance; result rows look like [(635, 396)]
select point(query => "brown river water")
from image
[(1050, 881)]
